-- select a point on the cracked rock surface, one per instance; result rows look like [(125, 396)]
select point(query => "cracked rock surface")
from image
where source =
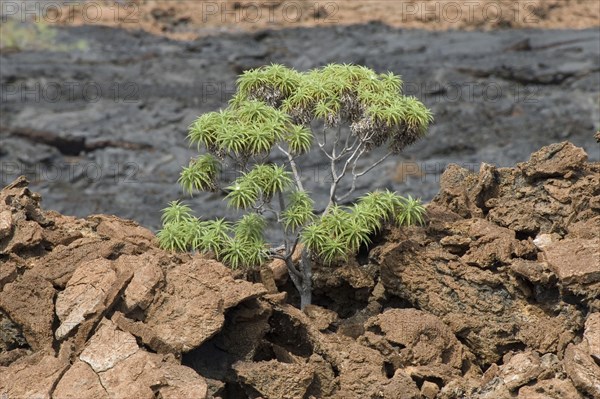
[(495, 296)]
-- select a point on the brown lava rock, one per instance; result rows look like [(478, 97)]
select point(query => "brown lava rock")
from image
[(496, 296)]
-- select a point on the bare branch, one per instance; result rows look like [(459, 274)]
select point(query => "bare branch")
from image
[(282, 208), (297, 176), (322, 148), (296, 241), (355, 175), (375, 164)]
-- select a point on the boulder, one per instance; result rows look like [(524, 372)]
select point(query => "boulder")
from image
[(554, 160), (85, 291), (574, 261), (425, 338), (274, 380), (190, 308), (126, 371), (592, 334), (582, 370), (33, 376), (29, 302)]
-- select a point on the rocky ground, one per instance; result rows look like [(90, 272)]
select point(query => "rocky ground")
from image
[(97, 117), (495, 297)]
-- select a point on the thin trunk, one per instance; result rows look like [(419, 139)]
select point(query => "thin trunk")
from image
[(306, 270), (302, 278), (293, 273)]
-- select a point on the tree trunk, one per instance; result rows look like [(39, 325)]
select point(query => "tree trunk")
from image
[(302, 277), (306, 288)]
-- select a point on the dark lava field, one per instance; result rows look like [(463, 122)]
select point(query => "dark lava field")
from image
[(101, 128)]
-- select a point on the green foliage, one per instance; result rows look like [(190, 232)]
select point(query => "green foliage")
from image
[(269, 178), (241, 253), (411, 212), (272, 110), (263, 180), (171, 237), (243, 193), (299, 139), (200, 175), (299, 211), (176, 212), (341, 232), (250, 227)]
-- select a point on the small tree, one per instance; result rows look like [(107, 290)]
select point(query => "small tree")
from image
[(273, 110)]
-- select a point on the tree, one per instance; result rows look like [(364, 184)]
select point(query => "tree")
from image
[(274, 109)]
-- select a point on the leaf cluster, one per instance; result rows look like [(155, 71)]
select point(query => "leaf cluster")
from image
[(299, 211), (373, 103), (261, 182), (342, 231), (239, 245)]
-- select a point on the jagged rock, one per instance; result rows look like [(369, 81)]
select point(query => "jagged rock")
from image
[(205, 289), (490, 245), (24, 204), (453, 194), (28, 301), (511, 201), (582, 369), (6, 223), (535, 272), (108, 347), (592, 334), (58, 266), (481, 306), (11, 336), (86, 289), (400, 386), (321, 317), (429, 390), (425, 338), (439, 373), (324, 380), (273, 379), (541, 241), (554, 160), (362, 371), (550, 389), (126, 371), (574, 261), (80, 381), (28, 234), (33, 376), (520, 370), (121, 230), (586, 228), (147, 276)]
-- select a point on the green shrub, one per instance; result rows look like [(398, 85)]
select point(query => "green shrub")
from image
[(272, 111)]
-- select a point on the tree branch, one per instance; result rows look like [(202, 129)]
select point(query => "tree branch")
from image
[(297, 176), (355, 175)]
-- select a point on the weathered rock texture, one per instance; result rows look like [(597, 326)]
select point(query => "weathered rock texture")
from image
[(496, 296), (77, 295)]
